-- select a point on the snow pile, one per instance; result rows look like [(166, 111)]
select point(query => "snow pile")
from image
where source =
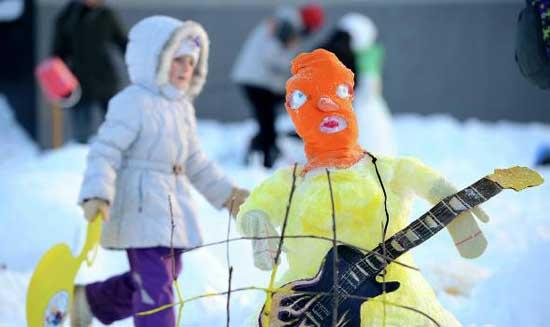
[(505, 287)]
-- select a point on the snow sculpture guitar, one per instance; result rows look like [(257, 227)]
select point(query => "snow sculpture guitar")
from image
[(326, 301)]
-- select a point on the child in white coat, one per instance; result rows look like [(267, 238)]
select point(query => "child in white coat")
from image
[(140, 170)]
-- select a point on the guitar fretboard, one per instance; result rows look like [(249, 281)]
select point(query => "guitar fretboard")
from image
[(434, 221)]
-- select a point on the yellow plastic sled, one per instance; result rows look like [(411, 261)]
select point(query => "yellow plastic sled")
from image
[(50, 291)]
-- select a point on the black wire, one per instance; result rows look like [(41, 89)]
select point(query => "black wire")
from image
[(374, 159), (384, 251)]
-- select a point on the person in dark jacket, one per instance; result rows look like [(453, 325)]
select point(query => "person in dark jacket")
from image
[(85, 33), (533, 53), (17, 60), (533, 43)]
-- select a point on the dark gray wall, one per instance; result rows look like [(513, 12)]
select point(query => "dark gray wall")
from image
[(441, 57)]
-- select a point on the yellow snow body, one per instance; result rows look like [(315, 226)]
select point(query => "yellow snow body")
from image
[(359, 207)]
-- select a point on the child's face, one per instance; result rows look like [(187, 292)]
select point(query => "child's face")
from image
[(181, 71)]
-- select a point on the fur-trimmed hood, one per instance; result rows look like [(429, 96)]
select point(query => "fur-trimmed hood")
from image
[(151, 47)]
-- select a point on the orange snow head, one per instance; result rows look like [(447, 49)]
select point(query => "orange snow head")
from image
[(318, 99)]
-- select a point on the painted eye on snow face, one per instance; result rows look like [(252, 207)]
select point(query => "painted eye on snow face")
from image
[(343, 91), (297, 99)]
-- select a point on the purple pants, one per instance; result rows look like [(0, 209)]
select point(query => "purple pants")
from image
[(146, 286)]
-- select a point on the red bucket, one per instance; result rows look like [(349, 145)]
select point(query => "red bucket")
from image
[(58, 82)]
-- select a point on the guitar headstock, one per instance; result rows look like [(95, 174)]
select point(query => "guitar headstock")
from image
[(517, 178)]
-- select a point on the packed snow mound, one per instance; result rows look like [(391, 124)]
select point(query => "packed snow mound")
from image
[(505, 287)]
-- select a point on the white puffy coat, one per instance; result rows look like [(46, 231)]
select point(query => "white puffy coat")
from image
[(147, 149)]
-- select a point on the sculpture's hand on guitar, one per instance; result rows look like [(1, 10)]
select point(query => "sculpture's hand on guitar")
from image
[(465, 232)]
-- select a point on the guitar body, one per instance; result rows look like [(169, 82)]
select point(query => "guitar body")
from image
[(300, 304)]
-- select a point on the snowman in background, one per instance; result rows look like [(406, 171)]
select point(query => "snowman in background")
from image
[(373, 115)]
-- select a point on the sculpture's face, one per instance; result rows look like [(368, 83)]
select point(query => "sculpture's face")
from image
[(319, 100)]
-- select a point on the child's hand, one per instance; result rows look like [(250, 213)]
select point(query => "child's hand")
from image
[(94, 206), (237, 197)]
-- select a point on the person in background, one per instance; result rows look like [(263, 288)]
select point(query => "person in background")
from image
[(140, 170), (533, 53), (85, 33), (262, 68), (17, 61), (353, 41)]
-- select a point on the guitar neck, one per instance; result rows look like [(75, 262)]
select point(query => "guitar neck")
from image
[(428, 225)]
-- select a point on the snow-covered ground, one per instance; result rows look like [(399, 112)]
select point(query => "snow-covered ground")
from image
[(505, 287)]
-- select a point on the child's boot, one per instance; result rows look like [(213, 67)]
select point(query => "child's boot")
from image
[(81, 315)]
